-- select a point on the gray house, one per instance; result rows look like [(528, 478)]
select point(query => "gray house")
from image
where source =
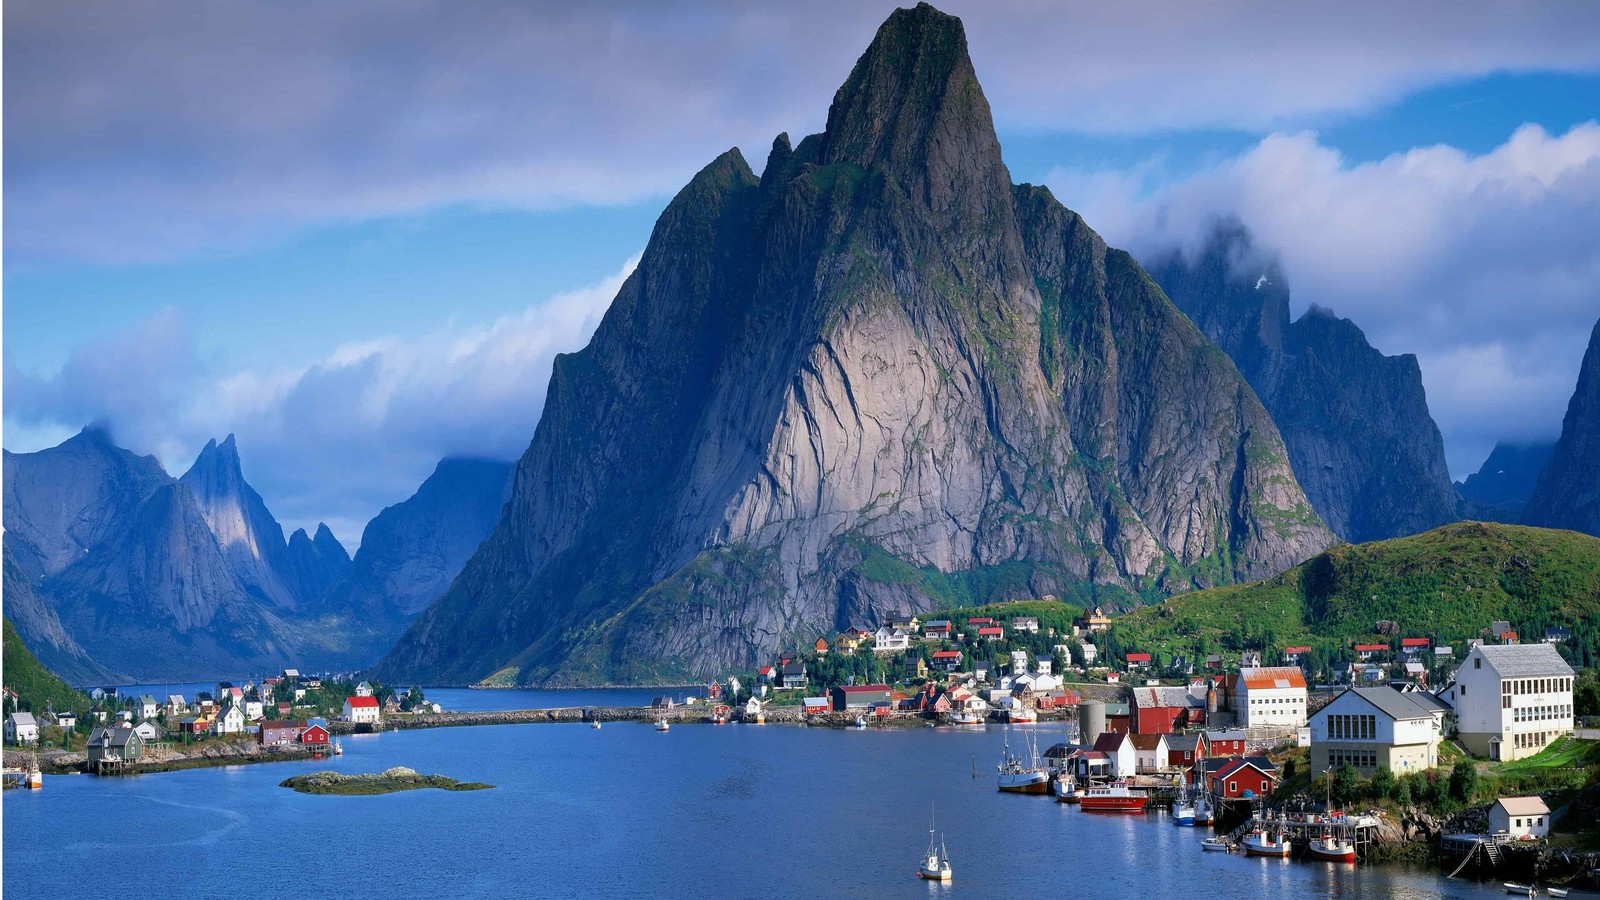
[(117, 743)]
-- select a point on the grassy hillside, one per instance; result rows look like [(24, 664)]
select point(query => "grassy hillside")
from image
[(1448, 584), (35, 685)]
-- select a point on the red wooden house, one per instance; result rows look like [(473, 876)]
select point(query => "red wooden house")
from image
[(1238, 777), (1224, 743), (315, 736), (1138, 660)]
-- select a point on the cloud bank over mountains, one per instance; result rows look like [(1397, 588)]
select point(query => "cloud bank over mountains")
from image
[(336, 440), (1485, 266)]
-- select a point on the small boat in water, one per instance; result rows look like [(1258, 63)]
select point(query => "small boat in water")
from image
[(936, 864), (1215, 845), (966, 718), (1203, 814), (1117, 796), (1021, 715), (1183, 812), (1332, 849), (1067, 790), (1260, 843), (1520, 890), (595, 723), (661, 725), (338, 748), (860, 722), (1018, 775)]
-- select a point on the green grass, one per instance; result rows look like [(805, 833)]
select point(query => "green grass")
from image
[(1563, 753), (1449, 584)]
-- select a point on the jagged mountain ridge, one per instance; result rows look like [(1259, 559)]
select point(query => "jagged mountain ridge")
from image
[(1360, 437), (1502, 485), (1568, 492), (411, 551), (876, 375)]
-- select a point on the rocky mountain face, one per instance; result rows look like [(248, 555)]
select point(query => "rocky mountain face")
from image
[(1568, 492), (877, 379), (412, 550), (315, 564), (1356, 422), (62, 501), (40, 628), (1505, 481)]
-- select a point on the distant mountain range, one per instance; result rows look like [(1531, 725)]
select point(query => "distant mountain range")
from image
[(115, 569), (1568, 492), (1502, 485), (1356, 422)]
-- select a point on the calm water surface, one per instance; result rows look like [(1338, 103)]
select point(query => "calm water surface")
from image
[(736, 810)]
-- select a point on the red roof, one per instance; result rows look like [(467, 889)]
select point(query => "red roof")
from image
[(992, 630), (363, 702), (1138, 657), (1413, 642), (1297, 649), (981, 621), (1273, 677), (1366, 647), (947, 654), (764, 670)]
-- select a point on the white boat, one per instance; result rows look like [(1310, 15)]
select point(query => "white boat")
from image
[(1183, 813), (661, 725), (1021, 715), (966, 718), (1331, 849), (1520, 890), (936, 864), (1202, 809), (1018, 775), (1214, 844), (338, 748), (860, 722), (595, 723), (1259, 843), (1067, 790)]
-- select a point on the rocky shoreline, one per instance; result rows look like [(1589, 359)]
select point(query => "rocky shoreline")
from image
[(389, 781), (199, 756)]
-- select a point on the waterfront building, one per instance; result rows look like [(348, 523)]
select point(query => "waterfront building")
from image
[(1520, 817), (1120, 751), (21, 728), (1512, 699), (362, 709), (1149, 752), (860, 696), (228, 721), (1233, 779), (1369, 728), (118, 743), (1271, 696), (281, 733)]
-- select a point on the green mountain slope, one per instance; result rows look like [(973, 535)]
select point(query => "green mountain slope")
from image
[(35, 685), (1448, 584)]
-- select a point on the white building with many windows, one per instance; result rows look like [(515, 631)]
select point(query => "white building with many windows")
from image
[(1512, 699), (1271, 696), (1369, 728)]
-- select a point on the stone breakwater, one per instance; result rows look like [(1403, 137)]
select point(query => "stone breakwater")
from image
[(682, 715), (212, 753)]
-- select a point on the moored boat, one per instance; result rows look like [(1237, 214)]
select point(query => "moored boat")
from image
[(1067, 790), (1327, 847), (1183, 813), (1021, 715), (936, 864), (1021, 776), (1260, 843), (1202, 809), (661, 725), (338, 748), (966, 718), (1520, 890), (860, 722), (1116, 796), (1214, 844)]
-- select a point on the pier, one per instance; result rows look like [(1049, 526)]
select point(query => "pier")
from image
[(1361, 831)]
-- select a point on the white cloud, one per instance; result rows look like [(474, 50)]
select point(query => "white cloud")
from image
[(335, 440), (1485, 266), (143, 130)]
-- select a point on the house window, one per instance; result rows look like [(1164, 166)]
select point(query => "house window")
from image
[(1233, 786), (1477, 663)]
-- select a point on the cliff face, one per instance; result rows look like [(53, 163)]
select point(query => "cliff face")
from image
[(1568, 493), (877, 379), (412, 550), (251, 539), (40, 628), (1356, 422), (315, 564)]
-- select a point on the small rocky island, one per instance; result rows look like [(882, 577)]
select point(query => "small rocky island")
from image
[(388, 781)]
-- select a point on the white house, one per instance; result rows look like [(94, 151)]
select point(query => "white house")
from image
[(21, 728), (1271, 696), (364, 689), (361, 709), (1119, 749), (1512, 699), (1019, 662), (1149, 752), (149, 732), (229, 721), (176, 705), (148, 707), (1029, 624), (890, 640), (254, 709), (1369, 728), (67, 720), (1519, 816), (1087, 652)]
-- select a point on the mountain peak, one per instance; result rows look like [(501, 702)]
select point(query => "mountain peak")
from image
[(912, 106)]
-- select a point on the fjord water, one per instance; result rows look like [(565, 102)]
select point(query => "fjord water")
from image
[(734, 811)]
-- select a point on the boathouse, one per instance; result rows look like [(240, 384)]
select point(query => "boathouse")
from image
[(1520, 817), (1233, 779), (860, 696)]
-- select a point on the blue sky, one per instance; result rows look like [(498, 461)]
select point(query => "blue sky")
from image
[(360, 254)]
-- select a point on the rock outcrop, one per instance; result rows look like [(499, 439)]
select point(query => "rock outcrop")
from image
[(40, 628), (1356, 422), (1568, 493), (879, 378)]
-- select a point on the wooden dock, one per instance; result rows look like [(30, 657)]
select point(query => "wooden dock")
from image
[(1300, 829)]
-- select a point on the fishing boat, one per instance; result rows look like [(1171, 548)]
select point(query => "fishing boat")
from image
[(34, 779), (1021, 715), (860, 722), (661, 725), (936, 864), (1183, 812), (338, 748), (966, 718), (1520, 890), (1117, 796), (1260, 843), (595, 724), (1203, 814), (1327, 847), (1067, 790), (1018, 775), (1214, 845)]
